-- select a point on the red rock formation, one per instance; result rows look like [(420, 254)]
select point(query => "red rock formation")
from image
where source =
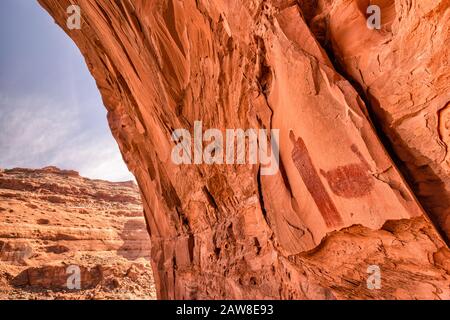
[(338, 203), (52, 219), (403, 71)]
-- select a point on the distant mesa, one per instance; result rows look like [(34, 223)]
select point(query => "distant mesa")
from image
[(61, 172), (49, 169)]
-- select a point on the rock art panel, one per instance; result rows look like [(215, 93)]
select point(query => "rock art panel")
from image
[(402, 71)]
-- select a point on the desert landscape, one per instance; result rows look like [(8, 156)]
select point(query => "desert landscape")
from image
[(52, 219)]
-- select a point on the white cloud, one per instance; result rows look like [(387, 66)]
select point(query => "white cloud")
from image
[(36, 132), (51, 112)]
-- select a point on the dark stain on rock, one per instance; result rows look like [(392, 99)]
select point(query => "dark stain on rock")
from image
[(308, 172), (167, 189), (350, 181)]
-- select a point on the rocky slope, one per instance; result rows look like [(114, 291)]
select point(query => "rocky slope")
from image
[(53, 220), (311, 69)]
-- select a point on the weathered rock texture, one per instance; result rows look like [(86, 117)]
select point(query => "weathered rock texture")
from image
[(338, 203), (51, 219), (403, 70)]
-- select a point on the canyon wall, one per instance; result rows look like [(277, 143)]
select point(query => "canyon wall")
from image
[(338, 205), (54, 222), (403, 71)]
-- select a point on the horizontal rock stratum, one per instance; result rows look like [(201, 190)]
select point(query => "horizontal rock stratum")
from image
[(338, 92), (52, 221)]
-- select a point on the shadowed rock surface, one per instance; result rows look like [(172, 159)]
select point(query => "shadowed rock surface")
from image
[(338, 203)]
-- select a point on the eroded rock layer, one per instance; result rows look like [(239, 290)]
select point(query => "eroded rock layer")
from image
[(338, 203), (52, 221), (403, 71)]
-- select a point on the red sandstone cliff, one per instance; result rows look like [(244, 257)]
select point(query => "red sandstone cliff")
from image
[(52, 219), (403, 71), (339, 203)]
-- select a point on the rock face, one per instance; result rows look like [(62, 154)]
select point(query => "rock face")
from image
[(338, 206), (403, 71), (52, 221)]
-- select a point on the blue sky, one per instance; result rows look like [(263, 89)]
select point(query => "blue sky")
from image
[(51, 112)]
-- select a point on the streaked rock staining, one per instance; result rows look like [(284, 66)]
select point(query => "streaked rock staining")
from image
[(316, 72)]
